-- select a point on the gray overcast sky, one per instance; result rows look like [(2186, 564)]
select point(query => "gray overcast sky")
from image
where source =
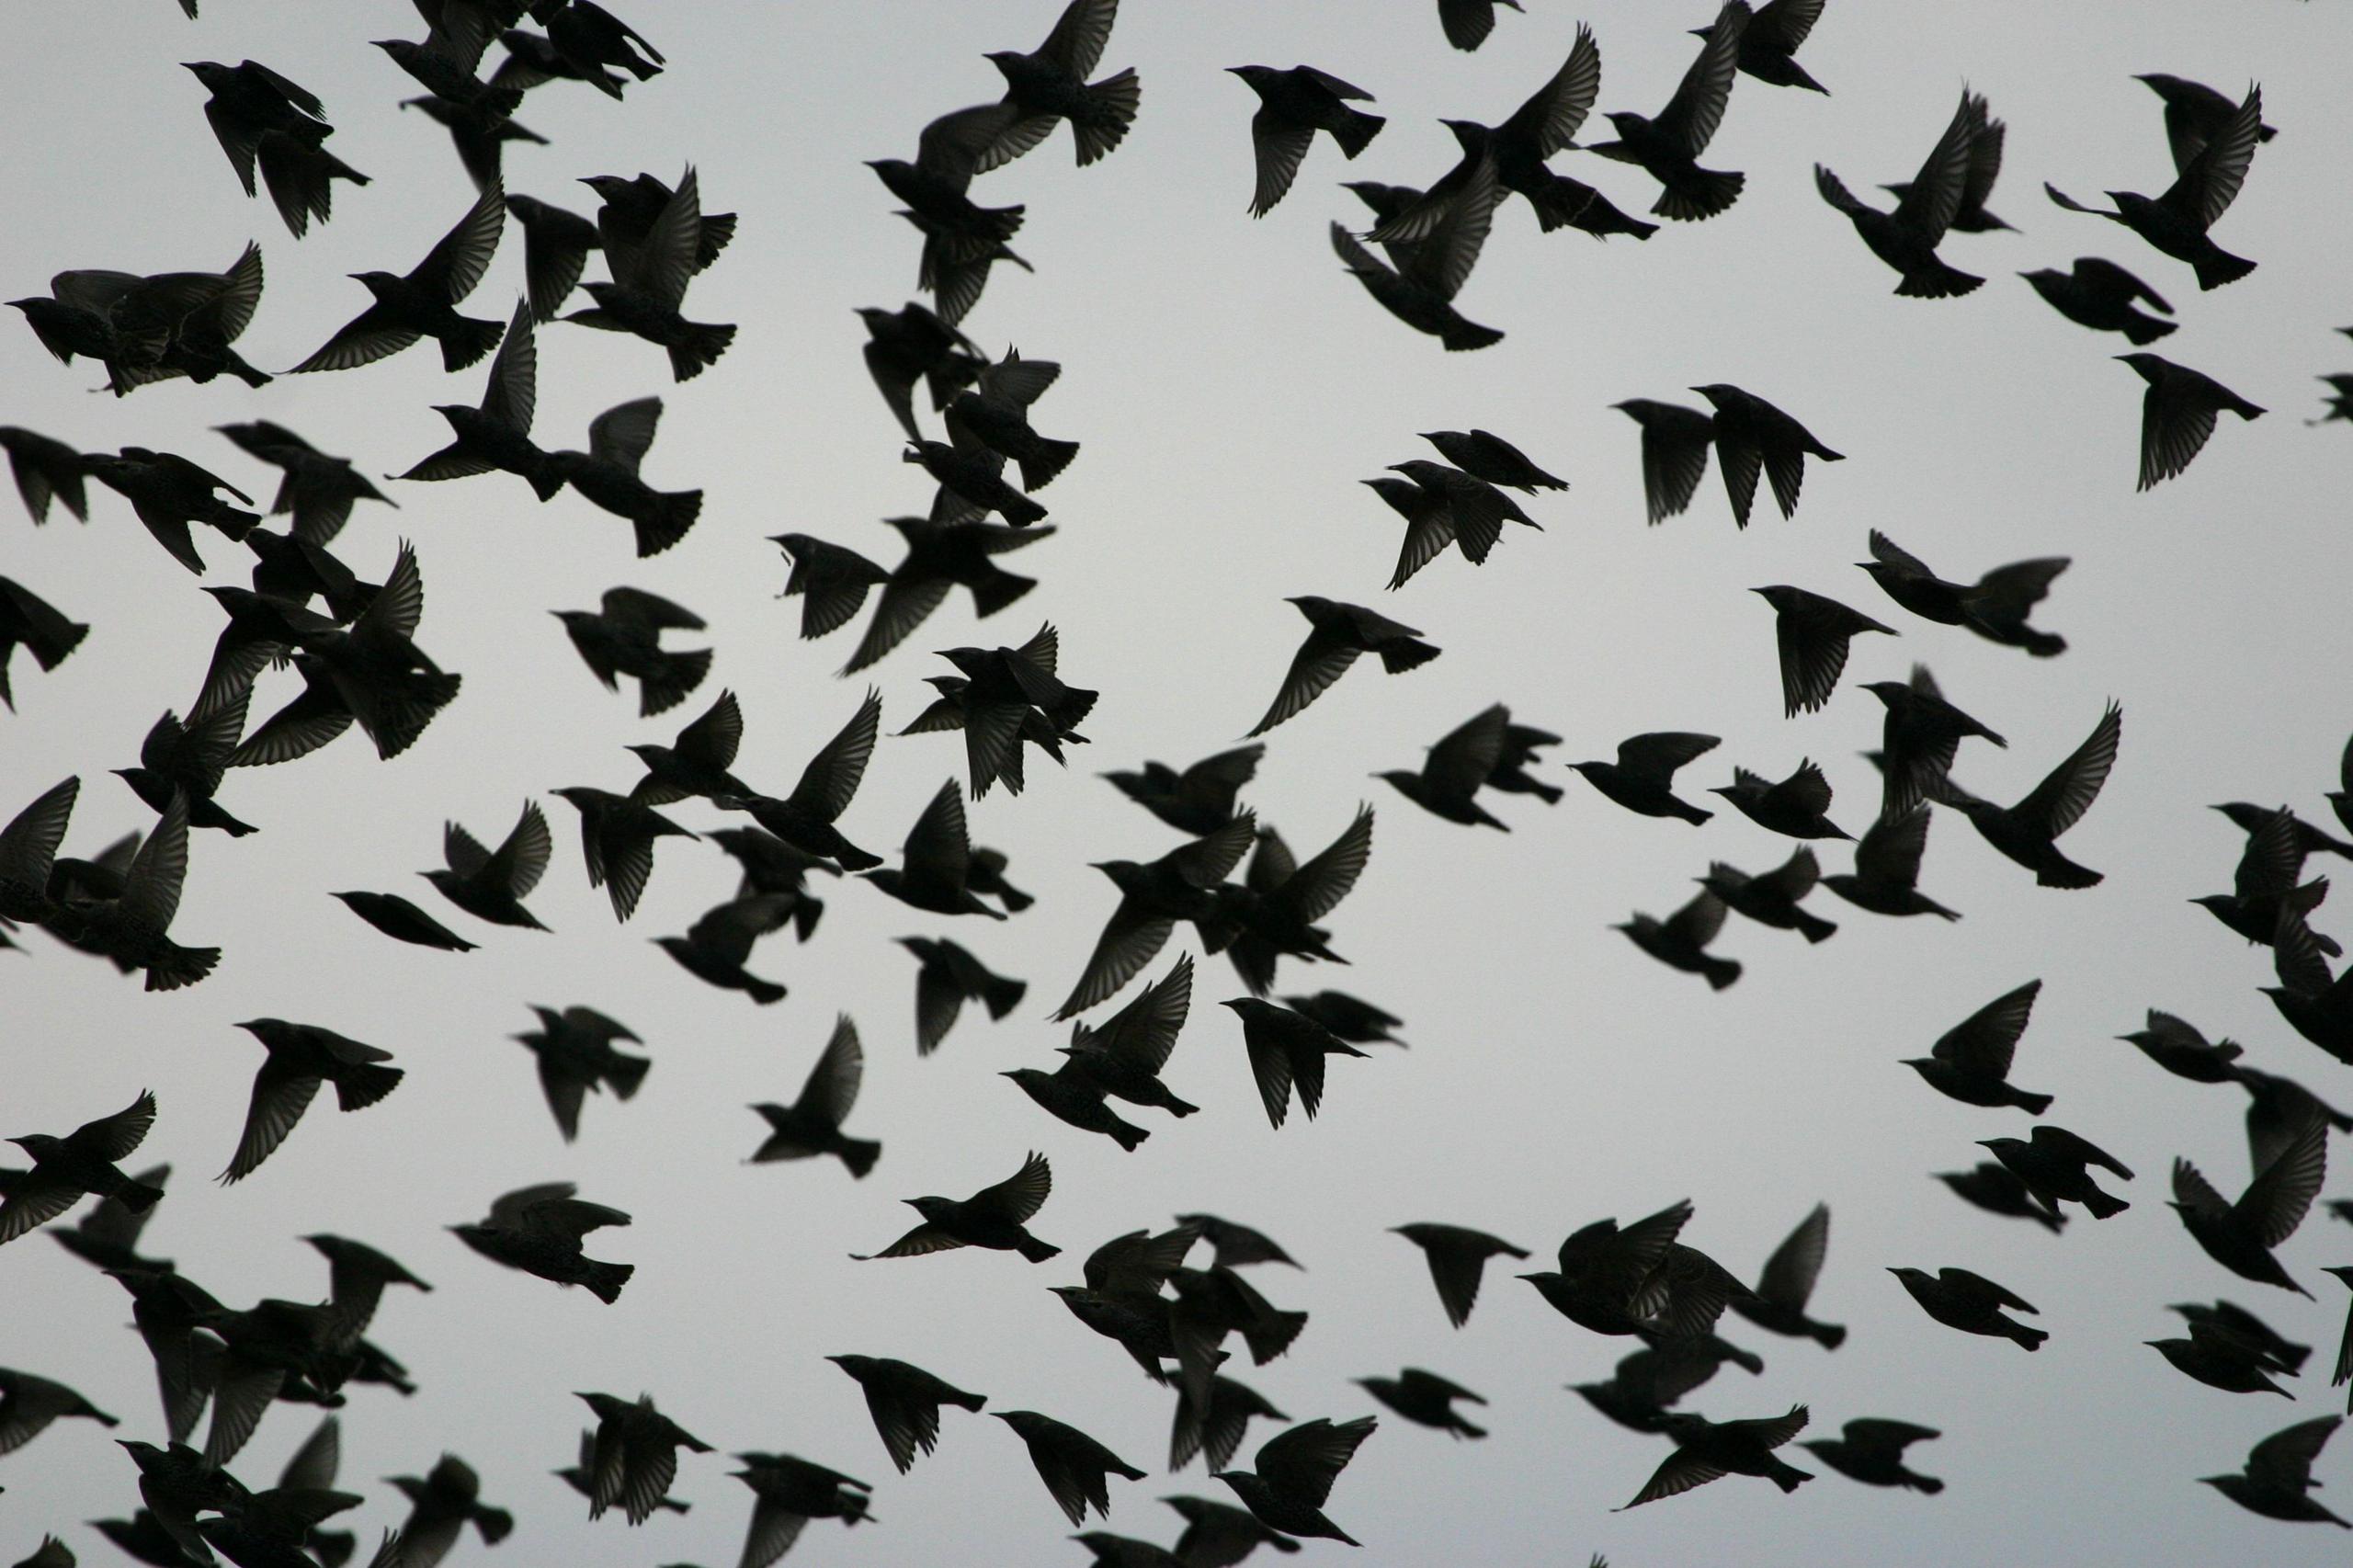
[(1229, 385)]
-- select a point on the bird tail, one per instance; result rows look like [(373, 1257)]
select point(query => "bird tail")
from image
[(2065, 873), (233, 827), (1128, 1134), (2045, 644), (1463, 1429), (355, 1088), (851, 859), (2219, 268), (998, 589), (1721, 973), (1702, 194), (1409, 654), (244, 372), (1039, 468), (1037, 1251), (1020, 511), (1548, 793), (807, 910), (405, 706), (1789, 1478), (1600, 218), (180, 966), (1271, 1334), (472, 341), (1355, 130), (1926, 1486), (673, 677), (605, 1280), (1459, 334), (625, 1075), (495, 1525), (1103, 114), (972, 1402), (2032, 1104), (2103, 1206), (544, 481), (1001, 994), (2030, 1338), (136, 1196), (672, 515), (1176, 1106), (1015, 900), (764, 992), (698, 347), (1937, 282), (1814, 927), (2145, 330), (233, 522), (1829, 1335), (860, 1154)]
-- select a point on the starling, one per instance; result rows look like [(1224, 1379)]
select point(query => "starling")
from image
[(1751, 433), (1004, 687), (1462, 762), (301, 1058), (1049, 84), (1680, 941), (935, 860), (940, 556), (539, 1230), (949, 978), (607, 475), (1069, 1094), (804, 819), (1425, 1399), (831, 580), (168, 492), (1467, 23), (1358, 1022), (649, 273), (1180, 885), (2279, 1474), (2241, 1236), (1476, 509), (445, 1500), (1995, 607), (1125, 1058), (587, 38), (1907, 239), (1797, 807), (497, 434), (581, 1477), (1997, 1190), (398, 918), (1970, 1302), (2282, 1355), (1787, 1285), (191, 758), (1977, 185), (1921, 734), (2055, 1165), (1709, 1450), (1293, 106), (2176, 221), (2177, 414), (1429, 524), (995, 413), (1126, 1551), (993, 1217), (1772, 899), (904, 1402), (1667, 146), (791, 1493), (1220, 1533), (2101, 295), (480, 130), (1215, 1428), (1870, 1449), (617, 839), (1075, 1467), (1293, 1476), (1419, 282), (1970, 1061), (812, 1125), (358, 1274), (260, 116), (556, 243), (1522, 145), (911, 344), (2220, 1359), (621, 637), (491, 886), (971, 483), (1812, 633), (2027, 832), (1643, 779), (2195, 115), (422, 302), (129, 926), (28, 1403), (45, 468), (107, 1236), (1287, 1050), (1237, 1245), (1457, 1258), (318, 492), (1768, 49), (636, 1455), (949, 150), (718, 944), (1674, 454)]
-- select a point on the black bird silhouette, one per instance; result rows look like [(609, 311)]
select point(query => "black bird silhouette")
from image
[(1220, 1532), (2027, 832), (718, 944), (1667, 146), (1787, 1285), (1674, 454), (2099, 294), (1287, 1050), (80, 1163), (2176, 221), (607, 475), (442, 1501), (1772, 898), (1997, 1190), (1075, 1467), (403, 922), (636, 1456), (1972, 1304), (1425, 1399), (576, 1054), (993, 412), (1293, 106), (1457, 1258), (1709, 1450), (1870, 1449), (1995, 607), (1338, 633), (940, 556), (621, 636), (2220, 1359), (934, 863), (1049, 84), (130, 925), (1680, 941), (1199, 799), (168, 492), (617, 839), (539, 1230), (2175, 1045), (1237, 1245), (1971, 1061), (260, 117), (804, 819), (2277, 1477), (994, 1216), (1125, 1058), (317, 490), (1797, 807), (650, 272), (1812, 633), (1447, 505), (1750, 434), (2177, 414), (28, 1403), (45, 468), (1294, 1474), (904, 1401), (1919, 738), (1422, 276), (556, 243), (1907, 239), (422, 302), (1467, 23), (1643, 777), (301, 1058), (2241, 1236), (949, 977), (812, 1125), (29, 621), (2055, 1165), (1769, 43), (1214, 1429), (831, 580), (491, 885), (2195, 115), (1183, 884), (911, 344), (497, 434)]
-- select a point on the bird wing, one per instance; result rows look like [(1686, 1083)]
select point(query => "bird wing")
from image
[(1781, 26), (1551, 117), (1888, 552), (1680, 1471), (940, 999), (521, 859), (1076, 43), (1132, 938), (940, 841), (1321, 660), (2207, 188), (1467, 755), (1805, 791), (2073, 1146), (833, 775), (1278, 147), (1673, 463), (1771, 1431), (35, 1201), (151, 889), (621, 434), (2284, 1460), (2075, 784), (1790, 1273), (366, 338), (1143, 1033), (1888, 1437), (1699, 921), (314, 1466), (460, 257), (1270, 1065), (1271, 864), (1983, 1042), (775, 1528), (713, 738), (565, 1092), (1018, 1196), (833, 1083), (1984, 165), (507, 1212), (1467, 23), (1691, 115), (904, 605), (1299, 1464), (2102, 273), (1933, 198), (570, 1219), (1317, 887), (1982, 1288), (2275, 1203), (1890, 851), (924, 1239), (1656, 756), (665, 258), (28, 844), (1442, 263), (511, 396)]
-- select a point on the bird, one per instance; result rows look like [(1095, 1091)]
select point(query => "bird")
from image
[(1643, 777), (2055, 1165), (1460, 763), (302, 1057), (1750, 434), (1005, 696), (1680, 941), (442, 1501), (913, 344), (1338, 633), (1049, 84), (1995, 607), (1795, 807), (649, 273), (576, 1056), (1667, 146), (28, 1403), (621, 636), (994, 1216), (972, 484), (2176, 1046), (1123, 1058), (635, 1456), (2097, 293), (1787, 1284), (2176, 221), (1970, 1061), (790, 1491), (130, 925), (1292, 1475), (617, 837), (1419, 281), (1215, 1428), (260, 117), (1183, 884), (1522, 146), (1972, 1304), (2220, 1359), (1199, 798), (1870, 1449), (1709, 1450), (1425, 1399), (812, 1125), (423, 302), (45, 469), (317, 492), (1997, 1189), (1287, 1052), (28, 847), (904, 1402), (1812, 632), (556, 243), (1770, 41), (1075, 1467), (1457, 1256), (403, 922), (491, 885), (805, 819), (2194, 114), (1447, 505), (1222, 1533), (2241, 1236), (1772, 898), (2177, 414), (1353, 1020), (539, 1230), (718, 944), (496, 435), (1467, 23), (1237, 1245), (935, 861), (2277, 1475), (1907, 239), (167, 492), (1919, 739), (949, 977), (1674, 454), (2027, 832), (1293, 106), (607, 475)]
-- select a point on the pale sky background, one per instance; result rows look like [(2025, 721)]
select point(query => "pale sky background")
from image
[(1229, 384)]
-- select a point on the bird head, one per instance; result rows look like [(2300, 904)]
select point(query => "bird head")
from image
[(2148, 366), (1404, 779), (1256, 76), (1780, 595), (930, 1208), (1894, 693)]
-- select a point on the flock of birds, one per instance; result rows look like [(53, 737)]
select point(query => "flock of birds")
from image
[(345, 653)]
